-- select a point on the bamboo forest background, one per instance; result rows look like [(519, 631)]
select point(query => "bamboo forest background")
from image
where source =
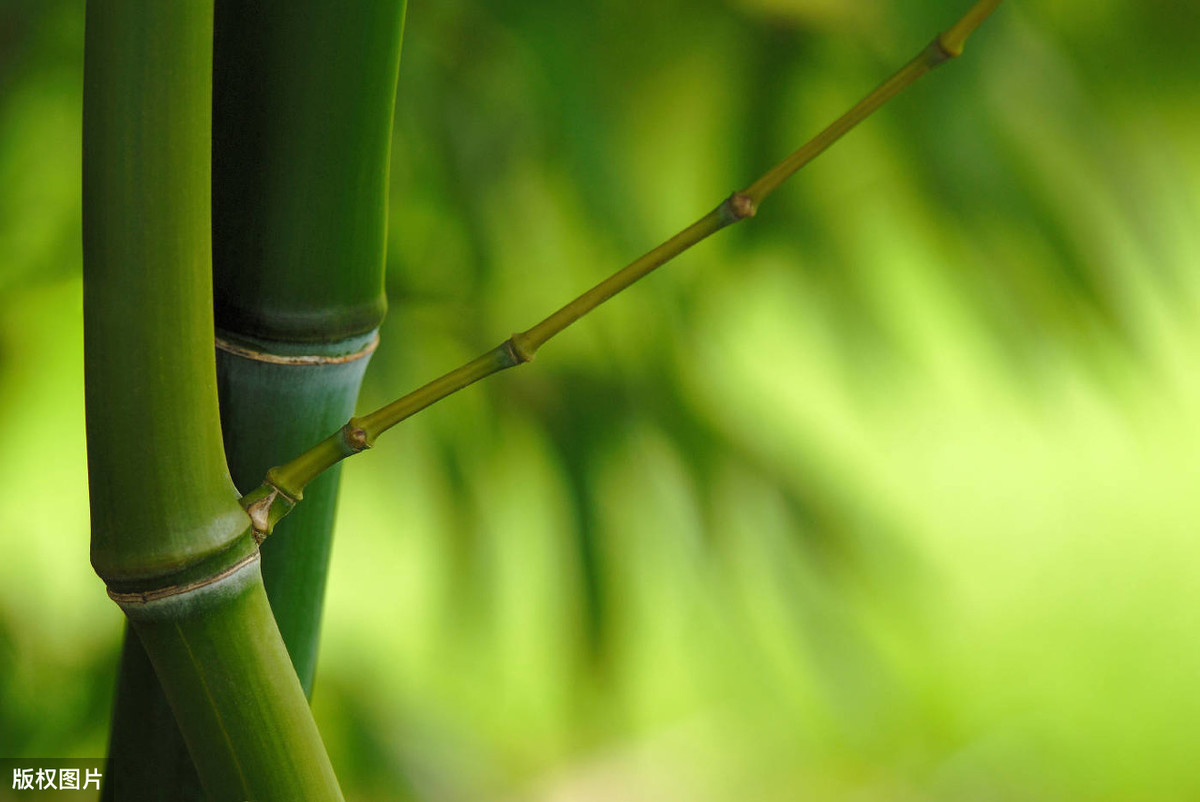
[(888, 494)]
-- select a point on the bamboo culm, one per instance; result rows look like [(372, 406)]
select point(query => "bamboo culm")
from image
[(169, 538), (303, 96)]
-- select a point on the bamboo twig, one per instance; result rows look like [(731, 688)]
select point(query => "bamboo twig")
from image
[(284, 485)]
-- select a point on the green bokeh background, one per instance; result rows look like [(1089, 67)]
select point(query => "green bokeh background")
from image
[(889, 494)]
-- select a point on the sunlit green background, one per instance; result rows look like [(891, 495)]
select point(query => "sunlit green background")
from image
[(890, 494)]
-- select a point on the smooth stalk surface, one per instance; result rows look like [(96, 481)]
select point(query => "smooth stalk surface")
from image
[(284, 485), (303, 95), (169, 538), (229, 680), (161, 498), (303, 99)]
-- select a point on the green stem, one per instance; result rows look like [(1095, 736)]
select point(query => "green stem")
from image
[(319, 391), (303, 100), (304, 93), (148, 758), (933, 55), (225, 671), (303, 96), (161, 498), (284, 485), (168, 535)]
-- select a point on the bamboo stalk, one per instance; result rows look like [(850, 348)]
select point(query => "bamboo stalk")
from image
[(285, 484), (225, 671), (317, 393), (304, 92), (303, 97), (144, 763), (147, 291), (168, 536), (302, 109)]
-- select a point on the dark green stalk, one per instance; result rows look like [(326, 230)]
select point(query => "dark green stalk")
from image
[(286, 484), (255, 386), (303, 96), (168, 536), (145, 764)]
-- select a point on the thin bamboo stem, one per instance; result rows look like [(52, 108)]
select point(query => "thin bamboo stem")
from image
[(284, 485)]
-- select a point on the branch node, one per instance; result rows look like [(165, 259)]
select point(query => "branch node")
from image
[(518, 349), (940, 50), (260, 516), (355, 438), (736, 207), (266, 506)]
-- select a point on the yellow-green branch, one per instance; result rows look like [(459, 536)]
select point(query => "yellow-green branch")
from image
[(284, 485)]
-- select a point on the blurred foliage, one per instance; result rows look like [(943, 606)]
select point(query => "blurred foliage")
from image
[(887, 494)]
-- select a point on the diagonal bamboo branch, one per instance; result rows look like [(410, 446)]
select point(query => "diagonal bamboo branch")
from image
[(284, 485)]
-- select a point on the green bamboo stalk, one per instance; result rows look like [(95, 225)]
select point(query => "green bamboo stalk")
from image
[(255, 386), (302, 133), (168, 535), (227, 675), (303, 98), (303, 94), (286, 484), (144, 763)]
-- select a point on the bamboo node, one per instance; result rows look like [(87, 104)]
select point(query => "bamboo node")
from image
[(266, 506), (244, 352), (260, 515), (356, 439), (517, 350), (141, 597), (738, 206), (941, 51)]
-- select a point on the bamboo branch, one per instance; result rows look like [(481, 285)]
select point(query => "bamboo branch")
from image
[(284, 485)]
